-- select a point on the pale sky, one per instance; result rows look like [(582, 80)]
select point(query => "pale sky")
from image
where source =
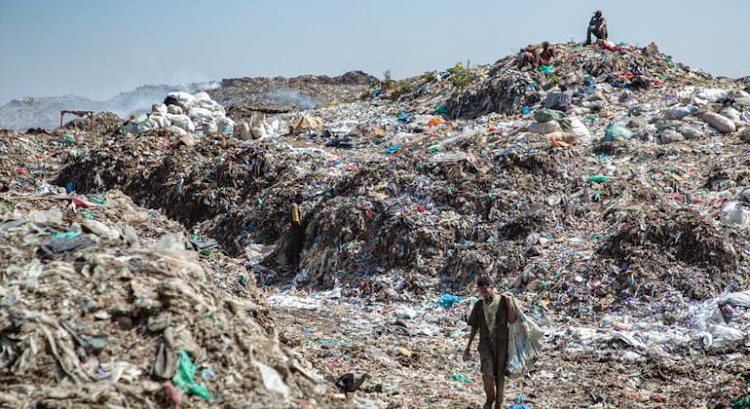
[(97, 48)]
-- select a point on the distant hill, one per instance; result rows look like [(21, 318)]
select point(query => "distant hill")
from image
[(44, 112)]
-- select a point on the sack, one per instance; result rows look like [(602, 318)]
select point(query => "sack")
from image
[(174, 110), (182, 121), (543, 128), (680, 112), (720, 123), (524, 346), (580, 130)]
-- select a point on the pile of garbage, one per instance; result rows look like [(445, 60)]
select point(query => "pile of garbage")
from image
[(101, 123), (617, 219), (183, 113), (286, 94), (106, 303)]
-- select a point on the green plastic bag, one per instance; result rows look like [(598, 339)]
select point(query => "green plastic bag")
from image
[(460, 378), (617, 132), (545, 114), (183, 378), (598, 178), (546, 69)]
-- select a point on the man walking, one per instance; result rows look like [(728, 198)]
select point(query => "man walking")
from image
[(491, 316)]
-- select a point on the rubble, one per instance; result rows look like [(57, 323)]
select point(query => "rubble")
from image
[(102, 123), (98, 315)]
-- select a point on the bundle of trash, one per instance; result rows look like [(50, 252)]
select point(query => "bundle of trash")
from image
[(183, 113)]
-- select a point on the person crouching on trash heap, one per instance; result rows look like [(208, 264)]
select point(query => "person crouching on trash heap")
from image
[(559, 100), (491, 316), (597, 27), (546, 55), (526, 57)]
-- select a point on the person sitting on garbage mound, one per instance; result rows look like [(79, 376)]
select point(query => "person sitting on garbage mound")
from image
[(526, 57), (491, 316), (546, 55), (597, 27)]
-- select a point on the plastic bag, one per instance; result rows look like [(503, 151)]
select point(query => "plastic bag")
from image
[(680, 112), (545, 115), (615, 131), (580, 130), (736, 213), (272, 380), (546, 69), (525, 345), (183, 378)]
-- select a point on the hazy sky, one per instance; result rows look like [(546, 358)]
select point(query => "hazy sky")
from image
[(97, 48)]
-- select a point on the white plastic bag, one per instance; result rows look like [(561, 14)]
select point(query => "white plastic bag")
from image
[(524, 346), (736, 213), (582, 133)]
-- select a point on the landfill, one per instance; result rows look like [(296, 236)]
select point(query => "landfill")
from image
[(620, 225)]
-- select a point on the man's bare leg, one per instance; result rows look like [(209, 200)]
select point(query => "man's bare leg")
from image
[(500, 384), (489, 390)]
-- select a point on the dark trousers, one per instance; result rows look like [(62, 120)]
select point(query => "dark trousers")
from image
[(296, 244), (600, 33)]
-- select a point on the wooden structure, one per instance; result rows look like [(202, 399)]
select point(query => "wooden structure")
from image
[(78, 113)]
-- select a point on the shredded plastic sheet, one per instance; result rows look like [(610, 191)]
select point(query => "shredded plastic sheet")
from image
[(184, 377)]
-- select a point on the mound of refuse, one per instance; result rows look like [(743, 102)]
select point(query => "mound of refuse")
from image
[(102, 123), (398, 194), (103, 303), (303, 92)]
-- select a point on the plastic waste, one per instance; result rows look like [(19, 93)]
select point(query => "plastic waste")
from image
[(461, 378), (735, 212), (615, 131), (598, 178), (272, 380), (679, 112), (61, 245), (546, 69), (406, 312), (392, 149), (183, 378), (447, 300), (66, 235), (582, 133), (525, 344)]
